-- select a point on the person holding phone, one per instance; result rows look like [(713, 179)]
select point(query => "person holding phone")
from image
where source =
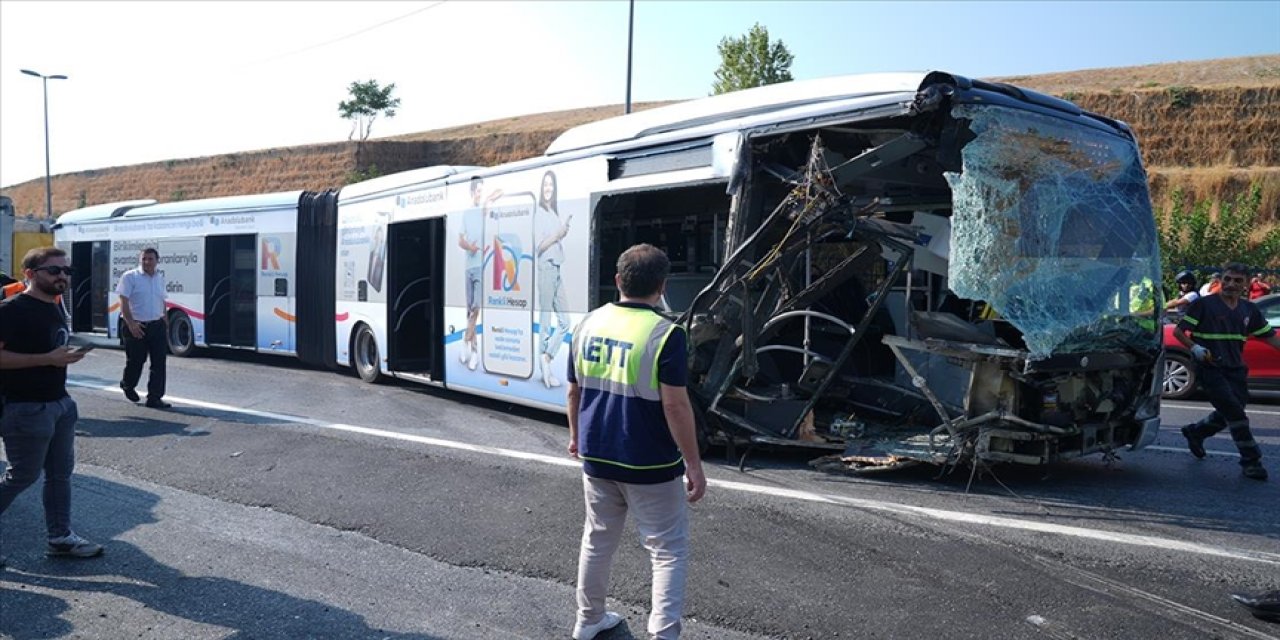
[(551, 228), (38, 420), (146, 328)]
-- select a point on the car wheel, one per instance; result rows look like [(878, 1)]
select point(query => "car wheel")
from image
[(182, 335), (1179, 377), (364, 355)]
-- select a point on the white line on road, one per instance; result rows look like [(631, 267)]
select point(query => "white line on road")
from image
[(1211, 452), (1167, 544), (1203, 407)]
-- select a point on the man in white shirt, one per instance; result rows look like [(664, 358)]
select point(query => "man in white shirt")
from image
[(146, 328)]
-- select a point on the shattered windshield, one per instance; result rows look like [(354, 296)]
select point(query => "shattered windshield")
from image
[(1052, 227)]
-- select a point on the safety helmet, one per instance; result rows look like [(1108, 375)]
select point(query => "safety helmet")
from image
[(1185, 276)]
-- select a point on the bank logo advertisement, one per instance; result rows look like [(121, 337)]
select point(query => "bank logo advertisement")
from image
[(271, 248), (506, 263), (507, 335)]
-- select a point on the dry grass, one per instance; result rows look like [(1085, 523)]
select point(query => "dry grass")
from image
[(1251, 71)]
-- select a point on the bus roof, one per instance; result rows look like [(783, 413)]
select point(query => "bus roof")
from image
[(403, 178), (104, 211), (730, 106), (228, 204)]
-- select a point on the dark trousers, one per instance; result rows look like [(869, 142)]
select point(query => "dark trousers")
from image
[(1228, 392), (153, 344), (40, 436)]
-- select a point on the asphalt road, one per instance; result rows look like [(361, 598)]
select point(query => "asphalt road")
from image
[(276, 501)]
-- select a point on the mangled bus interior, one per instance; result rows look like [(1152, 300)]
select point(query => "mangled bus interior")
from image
[(967, 279)]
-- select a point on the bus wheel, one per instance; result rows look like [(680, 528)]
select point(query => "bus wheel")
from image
[(364, 355), (182, 335)]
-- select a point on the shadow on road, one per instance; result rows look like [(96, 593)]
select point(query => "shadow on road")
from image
[(127, 571)]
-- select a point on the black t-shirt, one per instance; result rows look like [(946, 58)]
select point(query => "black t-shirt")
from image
[(1223, 330), (28, 325)]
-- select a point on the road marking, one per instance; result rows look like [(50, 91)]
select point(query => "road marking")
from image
[(1167, 544), (1263, 412), (1211, 452)]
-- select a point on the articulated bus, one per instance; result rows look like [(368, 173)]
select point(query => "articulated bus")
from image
[(903, 267)]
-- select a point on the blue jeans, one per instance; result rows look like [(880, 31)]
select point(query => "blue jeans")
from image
[(40, 435)]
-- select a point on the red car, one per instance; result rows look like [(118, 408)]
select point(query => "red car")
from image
[(1263, 361)]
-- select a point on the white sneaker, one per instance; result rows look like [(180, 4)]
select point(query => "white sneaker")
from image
[(548, 378), (589, 631), (465, 355), (73, 545), (474, 361)]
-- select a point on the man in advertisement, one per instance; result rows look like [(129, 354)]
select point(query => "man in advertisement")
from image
[(142, 306), (471, 240)]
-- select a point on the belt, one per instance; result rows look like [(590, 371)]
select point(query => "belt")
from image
[(147, 322)]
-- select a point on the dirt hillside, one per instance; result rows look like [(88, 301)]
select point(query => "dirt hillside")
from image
[(1210, 128)]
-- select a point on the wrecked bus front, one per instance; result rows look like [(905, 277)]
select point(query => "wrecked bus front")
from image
[(969, 278)]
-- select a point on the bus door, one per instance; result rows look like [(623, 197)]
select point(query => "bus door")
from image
[(91, 287), (415, 297), (230, 298)]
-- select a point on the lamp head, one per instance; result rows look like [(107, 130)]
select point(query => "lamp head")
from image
[(58, 77), (32, 73)]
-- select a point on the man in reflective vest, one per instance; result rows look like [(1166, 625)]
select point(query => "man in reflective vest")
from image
[(631, 424)]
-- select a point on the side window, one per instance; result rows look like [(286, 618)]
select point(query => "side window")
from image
[(1273, 314)]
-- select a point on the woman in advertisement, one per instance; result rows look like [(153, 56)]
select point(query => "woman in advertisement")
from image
[(550, 229)]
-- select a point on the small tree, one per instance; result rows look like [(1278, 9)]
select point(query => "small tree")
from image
[(751, 61), (1190, 237), (368, 101)]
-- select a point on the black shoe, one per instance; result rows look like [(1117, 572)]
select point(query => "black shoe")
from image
[(1194, 443), (131, 394), (158, 404), (1264, 607), (1255, 471)]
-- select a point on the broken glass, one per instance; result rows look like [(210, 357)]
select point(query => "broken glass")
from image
[(1052, 227)]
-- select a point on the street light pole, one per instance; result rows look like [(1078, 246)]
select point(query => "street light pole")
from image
[(48, 182), (631, 21)]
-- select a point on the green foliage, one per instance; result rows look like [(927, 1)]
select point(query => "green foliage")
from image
[(178, 196), (1070, 96), (368, 101), (1180, 97), (1191, 238), (751, 61), (360, 175), (82, 201)]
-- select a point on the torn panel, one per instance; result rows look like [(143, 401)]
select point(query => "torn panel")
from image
[(1052, 227)]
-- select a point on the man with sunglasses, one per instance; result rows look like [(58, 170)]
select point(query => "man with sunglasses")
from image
[(1220, 325), (146, 329), (38, 420)]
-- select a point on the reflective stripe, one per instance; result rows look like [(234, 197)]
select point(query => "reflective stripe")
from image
[(665, 465), (1265, 328), (616, 387), (1191, 321), (1222, 336), (647, 376)]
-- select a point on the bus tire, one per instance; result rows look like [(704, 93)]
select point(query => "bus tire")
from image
[(181, 334), (365, 356)]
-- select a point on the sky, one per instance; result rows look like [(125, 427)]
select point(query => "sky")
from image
[(150, 81)]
